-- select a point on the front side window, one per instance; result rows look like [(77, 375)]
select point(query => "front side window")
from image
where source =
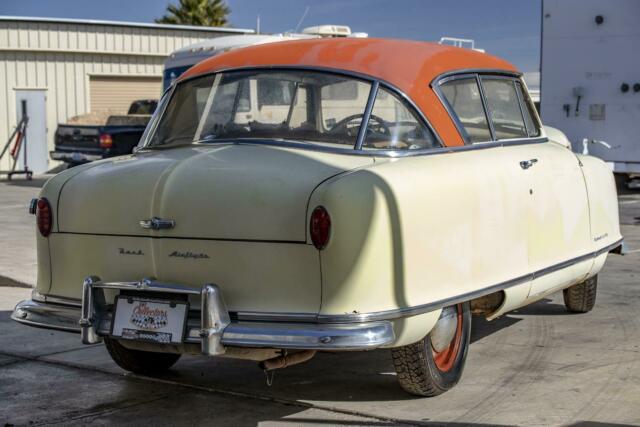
[(393, 126), (465, 99), (504, 108)]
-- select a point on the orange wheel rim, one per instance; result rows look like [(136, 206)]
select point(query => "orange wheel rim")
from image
[(445, 359)]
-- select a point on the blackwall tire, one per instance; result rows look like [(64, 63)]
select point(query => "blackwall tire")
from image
[(423, 372), (140, 362), (581, 298)]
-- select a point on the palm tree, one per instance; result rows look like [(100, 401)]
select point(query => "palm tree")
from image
[(208, 13)]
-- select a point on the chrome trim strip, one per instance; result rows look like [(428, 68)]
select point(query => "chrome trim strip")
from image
[(485, 106), (492, 71), (148, 285), (75, 302), (424, 308), (313, 318), (364, 122), (382, 153), (516, 83)]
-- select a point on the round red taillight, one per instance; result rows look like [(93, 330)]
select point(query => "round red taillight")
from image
[(320, 227), (44, 216)]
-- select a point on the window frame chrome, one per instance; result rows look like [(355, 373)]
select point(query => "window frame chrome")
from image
[(485, 106), (362, 132), (490, 73)]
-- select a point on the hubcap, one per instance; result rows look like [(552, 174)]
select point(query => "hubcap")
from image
[(445, 329), (446, 337)]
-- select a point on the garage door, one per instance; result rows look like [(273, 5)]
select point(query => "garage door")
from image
[(116, 93)]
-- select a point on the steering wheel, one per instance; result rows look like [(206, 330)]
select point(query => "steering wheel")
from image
[(351, 125)]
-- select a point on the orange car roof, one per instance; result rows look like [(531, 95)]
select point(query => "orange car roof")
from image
[(408, 65)]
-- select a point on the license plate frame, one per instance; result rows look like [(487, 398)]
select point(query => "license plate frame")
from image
[(156, 320)]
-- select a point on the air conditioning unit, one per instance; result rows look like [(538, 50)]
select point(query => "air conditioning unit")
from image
[(328, 30)]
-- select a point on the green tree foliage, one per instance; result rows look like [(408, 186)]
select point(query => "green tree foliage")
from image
[(208, 13)]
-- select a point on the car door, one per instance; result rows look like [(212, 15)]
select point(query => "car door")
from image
[(557, 206), (491, 190)]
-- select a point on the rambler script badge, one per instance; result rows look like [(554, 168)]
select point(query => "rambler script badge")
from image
[(188, 254), (123, 251)]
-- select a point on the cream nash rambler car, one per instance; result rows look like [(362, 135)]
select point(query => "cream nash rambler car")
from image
[(324, 195)]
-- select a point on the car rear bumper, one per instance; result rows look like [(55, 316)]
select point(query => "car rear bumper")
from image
[(211, 327), (74, 156)]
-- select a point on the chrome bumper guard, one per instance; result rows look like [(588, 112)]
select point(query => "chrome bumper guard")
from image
[(214, 330)]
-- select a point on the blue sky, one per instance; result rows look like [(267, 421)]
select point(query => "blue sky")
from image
[(506, 28)]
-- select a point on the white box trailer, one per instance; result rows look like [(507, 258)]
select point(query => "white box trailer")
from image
[(590, 77)]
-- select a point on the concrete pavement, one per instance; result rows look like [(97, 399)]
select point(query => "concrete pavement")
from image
[(537, 366)]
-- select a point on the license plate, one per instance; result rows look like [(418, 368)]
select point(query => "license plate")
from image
[(149, 320), (77, 157)]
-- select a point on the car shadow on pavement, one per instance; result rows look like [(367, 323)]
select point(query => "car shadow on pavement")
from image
[(544, 307), (482, 328)]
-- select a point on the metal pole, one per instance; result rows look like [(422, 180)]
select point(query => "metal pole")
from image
[(24, 135)]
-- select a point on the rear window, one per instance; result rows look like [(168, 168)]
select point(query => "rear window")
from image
[(464, 98), (304, 106)]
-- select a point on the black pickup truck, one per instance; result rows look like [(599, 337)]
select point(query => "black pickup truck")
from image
[(77, 143)]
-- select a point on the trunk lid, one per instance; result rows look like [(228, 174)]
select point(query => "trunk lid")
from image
[(222, 191)]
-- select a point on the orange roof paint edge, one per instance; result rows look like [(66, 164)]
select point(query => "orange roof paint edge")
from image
[(408, 65)]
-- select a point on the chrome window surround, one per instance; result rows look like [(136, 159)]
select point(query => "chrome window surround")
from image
[(380, 82), (357, 148), (42, 307), (478, 74)]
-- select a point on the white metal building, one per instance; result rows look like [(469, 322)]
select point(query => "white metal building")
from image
[(67, 67), (591, 77)]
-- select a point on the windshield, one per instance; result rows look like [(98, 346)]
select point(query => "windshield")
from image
[(299, 105)]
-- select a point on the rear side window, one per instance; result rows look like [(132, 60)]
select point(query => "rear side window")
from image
[(533, 129), (503, 104), (393, 126), (463, 96)]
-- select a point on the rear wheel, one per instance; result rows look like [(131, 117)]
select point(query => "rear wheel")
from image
[(140, 362), (581, 298), (434, 364)]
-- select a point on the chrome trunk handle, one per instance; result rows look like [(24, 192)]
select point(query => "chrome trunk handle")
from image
[(526, 164)]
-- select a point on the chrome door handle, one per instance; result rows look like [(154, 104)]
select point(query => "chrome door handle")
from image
[(526, 164), (156, 223)]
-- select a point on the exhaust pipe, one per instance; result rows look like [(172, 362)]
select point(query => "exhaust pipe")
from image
[(285, 360)]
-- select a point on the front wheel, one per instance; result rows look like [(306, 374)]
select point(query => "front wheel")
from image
[(581, 298), (434, 364), (140, 362)]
